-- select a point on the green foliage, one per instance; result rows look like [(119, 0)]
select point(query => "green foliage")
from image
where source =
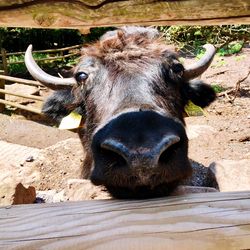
[(70, 62), (228, 38), (17, 39), (217, 88), (199, 53), (16, 69), (48, 65), (231, 48)]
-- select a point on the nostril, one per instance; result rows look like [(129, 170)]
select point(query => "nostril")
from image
[(114, 152), (168, 146), (167, 142), (168, 154)]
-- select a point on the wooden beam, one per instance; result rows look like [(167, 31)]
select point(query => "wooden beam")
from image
[(2, 81), (20, 106), (195, 221), (32, 97), (51, 58), (4, 61), (46, 50), (83, 14), (2, 95), (20, 80)]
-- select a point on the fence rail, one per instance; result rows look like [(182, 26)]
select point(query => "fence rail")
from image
[(20, 106), (4, 92), (32, 97), (72, 51), (20, 80), (46, 50), (47, 58)]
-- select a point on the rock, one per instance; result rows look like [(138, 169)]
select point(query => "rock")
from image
[(13, 171), (15, 193), (79, 189), (57, 164), (194, 131), (230, 175), (13, 182), (24, 195), (50, 196), (181, 190)]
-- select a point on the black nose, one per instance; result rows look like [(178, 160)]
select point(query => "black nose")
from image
[(136, 145), (142, 156)]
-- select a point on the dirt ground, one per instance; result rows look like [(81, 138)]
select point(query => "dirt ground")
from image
[(228, 138), (230, 121)]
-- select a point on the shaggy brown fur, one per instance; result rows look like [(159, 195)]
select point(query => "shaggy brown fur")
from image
[(127, 52)]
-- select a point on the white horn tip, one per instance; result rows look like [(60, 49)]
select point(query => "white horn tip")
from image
[(30, 47), (210, 47)]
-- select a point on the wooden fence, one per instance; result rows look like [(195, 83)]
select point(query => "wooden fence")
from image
[(195, 221), (83, 14), (4, 92), (59, 54)]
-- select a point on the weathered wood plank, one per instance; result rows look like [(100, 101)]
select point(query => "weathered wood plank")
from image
[(85, 13), (2, 81), (20, 80), (2, 95), (197, 221), (20, 106), (32, 97)]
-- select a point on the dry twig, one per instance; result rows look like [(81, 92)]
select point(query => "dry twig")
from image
[(236, 90), (217, 73), (237, 87)]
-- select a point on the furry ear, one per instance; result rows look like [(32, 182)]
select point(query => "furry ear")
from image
[(199, 93), (60, 104)]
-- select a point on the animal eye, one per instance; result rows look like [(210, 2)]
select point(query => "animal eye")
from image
[(177, 68), (81, 77)]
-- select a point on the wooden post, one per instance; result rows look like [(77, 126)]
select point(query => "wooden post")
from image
[(84, 14), (2, 95), (4, 60), (2, 81), (197, 221)]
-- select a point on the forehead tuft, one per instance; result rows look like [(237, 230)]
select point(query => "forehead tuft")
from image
[(128, 44)]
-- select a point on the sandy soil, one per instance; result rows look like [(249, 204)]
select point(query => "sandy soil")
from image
[(231, 121)]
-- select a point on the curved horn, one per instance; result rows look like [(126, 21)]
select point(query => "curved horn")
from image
[(49, 81), (198, 68)]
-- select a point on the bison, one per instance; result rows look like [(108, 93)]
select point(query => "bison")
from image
[(131, 91)]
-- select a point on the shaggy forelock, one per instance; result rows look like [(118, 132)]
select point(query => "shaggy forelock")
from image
[(128, 46)]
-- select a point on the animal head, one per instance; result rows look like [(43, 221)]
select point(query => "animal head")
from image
[(132, 92)]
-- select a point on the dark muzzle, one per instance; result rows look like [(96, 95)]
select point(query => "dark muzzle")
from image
[(140, 150)]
